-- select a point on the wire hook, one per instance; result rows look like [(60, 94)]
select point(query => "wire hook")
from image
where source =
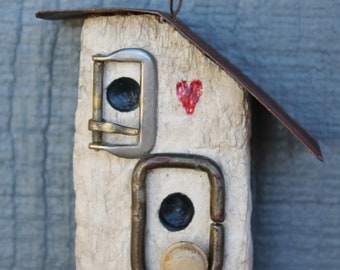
[(174, 13)]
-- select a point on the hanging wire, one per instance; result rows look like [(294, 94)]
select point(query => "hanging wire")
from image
[(174, 13)]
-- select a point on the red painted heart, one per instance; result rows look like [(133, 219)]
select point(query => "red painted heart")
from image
[(189, 95)]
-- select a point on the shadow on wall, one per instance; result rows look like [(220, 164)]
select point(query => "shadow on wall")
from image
[(288, 200)]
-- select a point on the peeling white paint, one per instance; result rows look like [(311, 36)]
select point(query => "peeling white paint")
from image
[(218, 129)]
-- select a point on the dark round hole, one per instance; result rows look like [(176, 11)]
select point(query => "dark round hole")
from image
[(123, 94), (176, 212)]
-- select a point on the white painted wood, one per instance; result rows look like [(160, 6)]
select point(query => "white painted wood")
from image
[(218, 129)]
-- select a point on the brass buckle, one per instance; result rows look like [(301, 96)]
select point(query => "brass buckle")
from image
[(139, 193), (146, 133)]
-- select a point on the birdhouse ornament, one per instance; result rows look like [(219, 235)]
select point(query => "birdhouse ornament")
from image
[(161, 149)]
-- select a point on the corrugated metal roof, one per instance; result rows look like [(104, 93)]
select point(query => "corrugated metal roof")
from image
[(248, 85)]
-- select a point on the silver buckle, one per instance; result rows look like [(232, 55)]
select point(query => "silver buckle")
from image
[(146, 132)]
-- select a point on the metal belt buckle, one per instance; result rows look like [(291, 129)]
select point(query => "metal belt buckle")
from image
[(146, 132), (139, 193)]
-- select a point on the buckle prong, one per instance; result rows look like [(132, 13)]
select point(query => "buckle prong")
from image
[(146, 132)]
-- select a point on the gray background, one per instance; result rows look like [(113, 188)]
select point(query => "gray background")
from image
[(288, 47)]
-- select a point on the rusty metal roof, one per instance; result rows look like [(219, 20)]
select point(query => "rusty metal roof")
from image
[(247, 84)]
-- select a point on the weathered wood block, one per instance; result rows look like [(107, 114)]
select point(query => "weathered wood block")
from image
[(103, 181)]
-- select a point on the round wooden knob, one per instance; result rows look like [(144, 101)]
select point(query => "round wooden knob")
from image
[(184, 256)]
